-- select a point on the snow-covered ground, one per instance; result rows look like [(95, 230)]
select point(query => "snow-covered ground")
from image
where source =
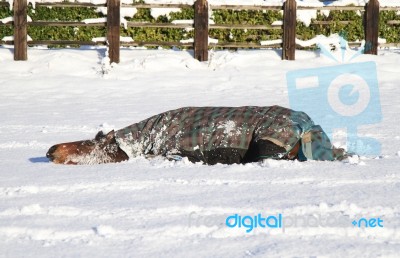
[(158, 208)]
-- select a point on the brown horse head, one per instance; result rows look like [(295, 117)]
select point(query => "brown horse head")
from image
[(102, 149)]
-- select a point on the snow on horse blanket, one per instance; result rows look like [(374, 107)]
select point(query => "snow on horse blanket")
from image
[(210, 135)]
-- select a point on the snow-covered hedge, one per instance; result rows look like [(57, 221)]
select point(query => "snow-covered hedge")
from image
[(354, 30)]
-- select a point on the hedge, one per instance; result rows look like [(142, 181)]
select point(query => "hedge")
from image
[(354, 30)]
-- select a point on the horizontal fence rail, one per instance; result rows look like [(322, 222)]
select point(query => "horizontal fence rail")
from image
[(200, 25)]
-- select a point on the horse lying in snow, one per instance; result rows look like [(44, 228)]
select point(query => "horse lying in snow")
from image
[(210, 135)]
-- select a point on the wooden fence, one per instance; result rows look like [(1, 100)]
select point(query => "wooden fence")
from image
[(201, 26)]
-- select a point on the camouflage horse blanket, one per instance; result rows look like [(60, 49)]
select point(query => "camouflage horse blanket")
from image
[(228, 135)]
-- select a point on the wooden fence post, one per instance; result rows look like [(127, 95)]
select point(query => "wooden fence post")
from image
[(289, 30), (113, 29), (20, 30), (201, 30), (371, 27)]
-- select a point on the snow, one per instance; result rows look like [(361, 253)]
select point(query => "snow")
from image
[(271, 42), (156, 12), (184, 41), (126, 39), (191, 40), (306, 16), (154, 207), (333, 39), (7, 20), (99, 39), (121, 38), (182, 22), (11, 38), (277, 23), (95, 20)]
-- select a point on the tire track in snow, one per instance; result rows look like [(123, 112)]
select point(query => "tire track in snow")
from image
[(76, 188), (345, 208), (49, 128), (183, 222), (53, 235), (189, 222), (134, 185), (25, 145)]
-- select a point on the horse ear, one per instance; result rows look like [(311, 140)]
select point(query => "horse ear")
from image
[(99, 135), (110, 136)]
